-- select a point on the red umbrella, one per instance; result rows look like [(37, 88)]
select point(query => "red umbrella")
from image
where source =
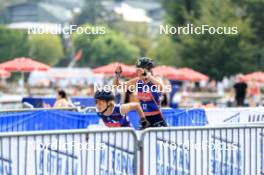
[(182, 74), (128, 71), (169, 72), (4, 73), (23, 65), (193, 75), (258, 76)]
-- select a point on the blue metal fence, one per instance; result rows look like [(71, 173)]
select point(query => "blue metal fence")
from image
[(45, 120), (58, 119), (39, 102)]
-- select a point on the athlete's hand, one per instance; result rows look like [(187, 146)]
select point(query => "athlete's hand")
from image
[(147, 74), (144, 123), (118, 70)]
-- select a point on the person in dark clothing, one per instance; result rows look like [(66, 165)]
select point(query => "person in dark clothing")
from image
[(240, 89)]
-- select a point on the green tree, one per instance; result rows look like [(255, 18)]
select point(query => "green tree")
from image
[(163, 51), (181, 11), (104, 48), (137, 33), (218, 55), (13, 43), (46, 48), (254, 9), (89, 13)]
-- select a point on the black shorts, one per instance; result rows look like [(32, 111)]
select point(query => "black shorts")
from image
[(156, 121)]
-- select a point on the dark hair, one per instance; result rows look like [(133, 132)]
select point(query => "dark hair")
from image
[(104, 95), (145, 63), (62, 93)]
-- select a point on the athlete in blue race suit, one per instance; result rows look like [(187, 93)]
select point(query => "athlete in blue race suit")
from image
[(148, 90), (114, 115)]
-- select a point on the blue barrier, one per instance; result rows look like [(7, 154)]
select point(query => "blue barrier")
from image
[(54, 119), (192, 117), (39, 102), (45, 120), (177, 117)]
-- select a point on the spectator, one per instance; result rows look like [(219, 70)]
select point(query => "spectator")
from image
[(240, 90), (253, 93), (90, 90), (62, 100)]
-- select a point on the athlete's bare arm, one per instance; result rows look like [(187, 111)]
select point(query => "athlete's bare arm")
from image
[(156, 81), (125, 108), (128, 85)]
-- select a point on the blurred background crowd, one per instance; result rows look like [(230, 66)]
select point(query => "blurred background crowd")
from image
[(229, 67)]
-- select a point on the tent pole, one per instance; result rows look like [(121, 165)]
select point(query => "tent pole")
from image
[(23, 81)]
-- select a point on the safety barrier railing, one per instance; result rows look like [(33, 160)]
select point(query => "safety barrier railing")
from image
[(234, 115), (36, 109), (226, 149), (77, 152), (62, 118), (222, 149), (44, 119)]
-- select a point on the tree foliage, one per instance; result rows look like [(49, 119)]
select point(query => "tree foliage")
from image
[(46, 48), (105, 48), (217, 55), (13, 43), (136, 33)]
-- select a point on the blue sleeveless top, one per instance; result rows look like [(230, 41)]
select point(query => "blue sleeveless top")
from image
[(116, 119), (148, 96)]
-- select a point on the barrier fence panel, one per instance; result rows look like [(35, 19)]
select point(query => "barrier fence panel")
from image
[(234, 115), (60, 118), (233, 149), (6, 111), (77, 152), (38, 120)]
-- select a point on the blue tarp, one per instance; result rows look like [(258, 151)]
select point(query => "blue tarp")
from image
[(177, 117), (39, 102), (46, 120), (56, 120)]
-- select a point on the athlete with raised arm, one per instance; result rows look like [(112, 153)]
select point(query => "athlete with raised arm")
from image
[(148, 88)]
